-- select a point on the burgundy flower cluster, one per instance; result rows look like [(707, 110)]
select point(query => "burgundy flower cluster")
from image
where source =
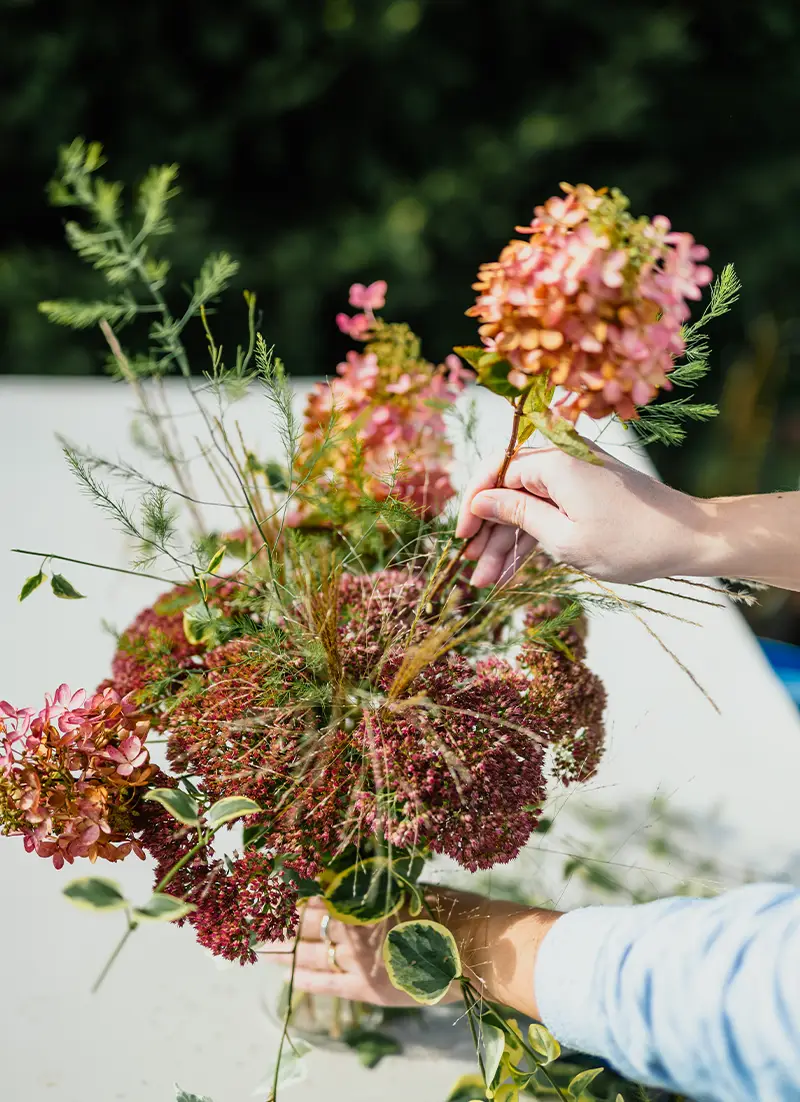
[(336, 743)]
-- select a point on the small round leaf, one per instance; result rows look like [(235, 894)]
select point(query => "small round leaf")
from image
[(96, 894), (422, 959)]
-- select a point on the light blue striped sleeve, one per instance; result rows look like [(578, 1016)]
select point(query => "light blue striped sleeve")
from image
[(697, 996)]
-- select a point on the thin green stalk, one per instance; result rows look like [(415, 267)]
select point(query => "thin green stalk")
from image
[(96, 565), (109, 963)]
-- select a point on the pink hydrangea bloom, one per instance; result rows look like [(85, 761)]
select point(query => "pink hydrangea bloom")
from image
[(68, 774), (369, 298), (389, 408), (593, 298)]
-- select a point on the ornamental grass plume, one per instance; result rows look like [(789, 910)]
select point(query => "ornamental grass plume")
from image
[(594, 299)]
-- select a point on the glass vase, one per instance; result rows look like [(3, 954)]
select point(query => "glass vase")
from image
[(324, 1020)]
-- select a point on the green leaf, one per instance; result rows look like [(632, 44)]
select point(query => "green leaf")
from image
[(538, 396), (366, 893), (31, 584), (471, 353), (561, 433), (62, 588), (493, 374), (202, 624), (494, 1044), (422, 959), (96, 894), (178, 804), (161, 907), (580, 1084), (230, 808), (467, 1088), (371, 1045), (216, 559), (291, 1069), (543, 1043), (185, 1096), (525, 431)]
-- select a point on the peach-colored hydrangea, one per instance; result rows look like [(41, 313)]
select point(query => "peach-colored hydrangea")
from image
[(70, 775), (594, 297)]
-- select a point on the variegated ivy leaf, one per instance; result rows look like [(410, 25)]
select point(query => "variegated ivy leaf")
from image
[(179, 804), (230, 808), (31, 584), (185, 1096), (96, 894), (422, 959), (161, 907), (579, 1086), (62, 588)]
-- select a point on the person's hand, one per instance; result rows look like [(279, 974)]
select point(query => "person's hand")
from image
[(608, 520), (332, 958), (498, 942)]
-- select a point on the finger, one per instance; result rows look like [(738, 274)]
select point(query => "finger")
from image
[(313, 956), (493, 558), (345, 985), (467, 524), (474, 549), (311, 924), (517, 557), (540, 519)]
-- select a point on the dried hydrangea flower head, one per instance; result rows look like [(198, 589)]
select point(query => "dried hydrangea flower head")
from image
[(71, 775), (594, 299)]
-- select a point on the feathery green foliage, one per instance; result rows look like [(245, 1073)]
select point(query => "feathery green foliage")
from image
[(664, 422)]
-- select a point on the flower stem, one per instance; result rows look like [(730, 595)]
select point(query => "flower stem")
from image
[(96, 565), (511, 447), (109, 963)]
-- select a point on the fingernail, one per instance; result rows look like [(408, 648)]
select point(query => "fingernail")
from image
[(486, 505)]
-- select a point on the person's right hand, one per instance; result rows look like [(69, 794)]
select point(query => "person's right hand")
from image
[(606, 519)]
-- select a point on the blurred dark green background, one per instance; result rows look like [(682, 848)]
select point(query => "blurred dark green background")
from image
[(326, 141)]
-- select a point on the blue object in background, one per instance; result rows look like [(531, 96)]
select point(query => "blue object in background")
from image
[(785, 661)]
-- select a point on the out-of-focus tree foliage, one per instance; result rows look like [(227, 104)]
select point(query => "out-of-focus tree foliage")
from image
[(326, 141)]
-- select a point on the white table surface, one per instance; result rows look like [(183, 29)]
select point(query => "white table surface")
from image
[(168, 1012)]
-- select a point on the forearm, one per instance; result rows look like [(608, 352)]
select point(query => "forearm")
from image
[(755, 537), (499, 944)]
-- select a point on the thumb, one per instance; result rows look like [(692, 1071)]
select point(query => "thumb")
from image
[(540, 519)]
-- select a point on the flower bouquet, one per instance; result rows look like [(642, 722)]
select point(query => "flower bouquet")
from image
[(323, 674)]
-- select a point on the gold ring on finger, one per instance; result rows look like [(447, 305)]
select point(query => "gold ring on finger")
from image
[(332, 963)]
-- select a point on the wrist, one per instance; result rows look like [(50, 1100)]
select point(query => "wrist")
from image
[(498, 942), (699, 547)]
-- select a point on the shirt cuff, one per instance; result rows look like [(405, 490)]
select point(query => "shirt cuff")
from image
[(566, 992)]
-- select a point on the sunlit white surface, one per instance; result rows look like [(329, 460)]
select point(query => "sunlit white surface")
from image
[(170, 1013)]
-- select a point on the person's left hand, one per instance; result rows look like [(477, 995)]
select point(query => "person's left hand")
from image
[(332, 958)]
